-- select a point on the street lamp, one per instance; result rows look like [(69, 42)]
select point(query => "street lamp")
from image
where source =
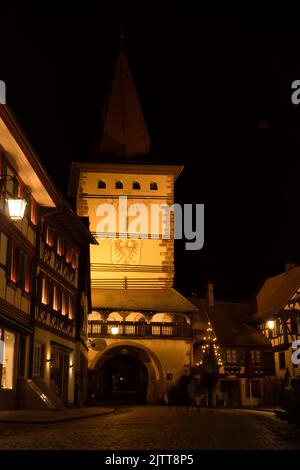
[(16, 205), (271, 324)]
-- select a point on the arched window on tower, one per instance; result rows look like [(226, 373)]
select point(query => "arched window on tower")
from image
[(101, 184), (153, 186), (136, 185), (119, 185)]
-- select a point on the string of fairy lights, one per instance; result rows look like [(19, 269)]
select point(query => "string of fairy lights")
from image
[(211, 338)]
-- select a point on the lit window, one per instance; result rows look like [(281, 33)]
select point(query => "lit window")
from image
[(60, 246), (101, 184), (55, 298), (68, 254), (153, 186), (231, 356), (155, 330), (64, 303), (7, 355), (74, 262), (45, 290), (136, 185), (119, 185), (33, 216), (49, 236), (71, 307), (12, 262), (14, 265), (255, 357), (27, 278)]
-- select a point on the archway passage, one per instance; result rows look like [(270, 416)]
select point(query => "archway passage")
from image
[(121, 378)]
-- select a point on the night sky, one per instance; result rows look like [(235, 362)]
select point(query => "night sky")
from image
[(205, 83)]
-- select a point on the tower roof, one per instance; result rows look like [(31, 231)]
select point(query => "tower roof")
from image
[(124, 129)]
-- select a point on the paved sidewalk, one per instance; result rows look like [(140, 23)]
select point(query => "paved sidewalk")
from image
[(271, 409), (52, 416)]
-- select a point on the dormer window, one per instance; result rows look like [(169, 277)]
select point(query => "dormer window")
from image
[(101, 184), (136, 185), (119, 185), (153, 186)]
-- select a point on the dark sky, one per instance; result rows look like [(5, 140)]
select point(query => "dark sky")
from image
[(204, 84)]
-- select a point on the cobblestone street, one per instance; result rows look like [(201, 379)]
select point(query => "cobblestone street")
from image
[(148, 428)]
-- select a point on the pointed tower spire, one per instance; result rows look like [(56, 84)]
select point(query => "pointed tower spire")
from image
[(124, 129)]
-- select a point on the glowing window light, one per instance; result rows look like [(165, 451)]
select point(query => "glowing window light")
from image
[(114, 330)]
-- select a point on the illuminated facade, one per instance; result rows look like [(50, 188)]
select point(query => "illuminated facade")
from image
[(237, 342), (43, 294), (277, 312), (139, 322)]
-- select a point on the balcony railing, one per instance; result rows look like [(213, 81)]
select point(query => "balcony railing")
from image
[(98, 328)]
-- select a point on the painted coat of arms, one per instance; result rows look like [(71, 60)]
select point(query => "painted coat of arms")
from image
[(126, 251)]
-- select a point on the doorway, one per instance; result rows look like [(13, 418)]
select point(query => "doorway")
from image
[(59, 373), (122, 379)]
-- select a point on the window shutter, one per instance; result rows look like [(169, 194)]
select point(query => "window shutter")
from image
[(21, 189), (14, 276), (8, 259), (27, 198), (40, 286), (33, 211), (32, 278), (20, 274), (27, 274), (50, 293)]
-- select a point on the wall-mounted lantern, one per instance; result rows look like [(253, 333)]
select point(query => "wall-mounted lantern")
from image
[(16, 205)]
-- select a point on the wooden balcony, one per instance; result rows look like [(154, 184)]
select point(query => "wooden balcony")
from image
[(98, 329)]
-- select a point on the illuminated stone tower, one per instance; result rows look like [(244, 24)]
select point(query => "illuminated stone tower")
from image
[(132, 268)]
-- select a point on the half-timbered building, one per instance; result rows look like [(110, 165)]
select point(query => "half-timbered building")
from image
[(44, 296), (277, 312)]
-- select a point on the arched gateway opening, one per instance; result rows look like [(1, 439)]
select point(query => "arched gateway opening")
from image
[(125, 374)]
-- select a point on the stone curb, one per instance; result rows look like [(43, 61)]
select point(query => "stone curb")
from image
[(55, 421)]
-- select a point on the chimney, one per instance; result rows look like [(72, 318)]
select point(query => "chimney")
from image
[(289, 265), (210, 294)]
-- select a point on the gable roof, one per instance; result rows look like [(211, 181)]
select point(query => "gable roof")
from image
[(230, 323), (25, 160), (275, 293), (124, 129)]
